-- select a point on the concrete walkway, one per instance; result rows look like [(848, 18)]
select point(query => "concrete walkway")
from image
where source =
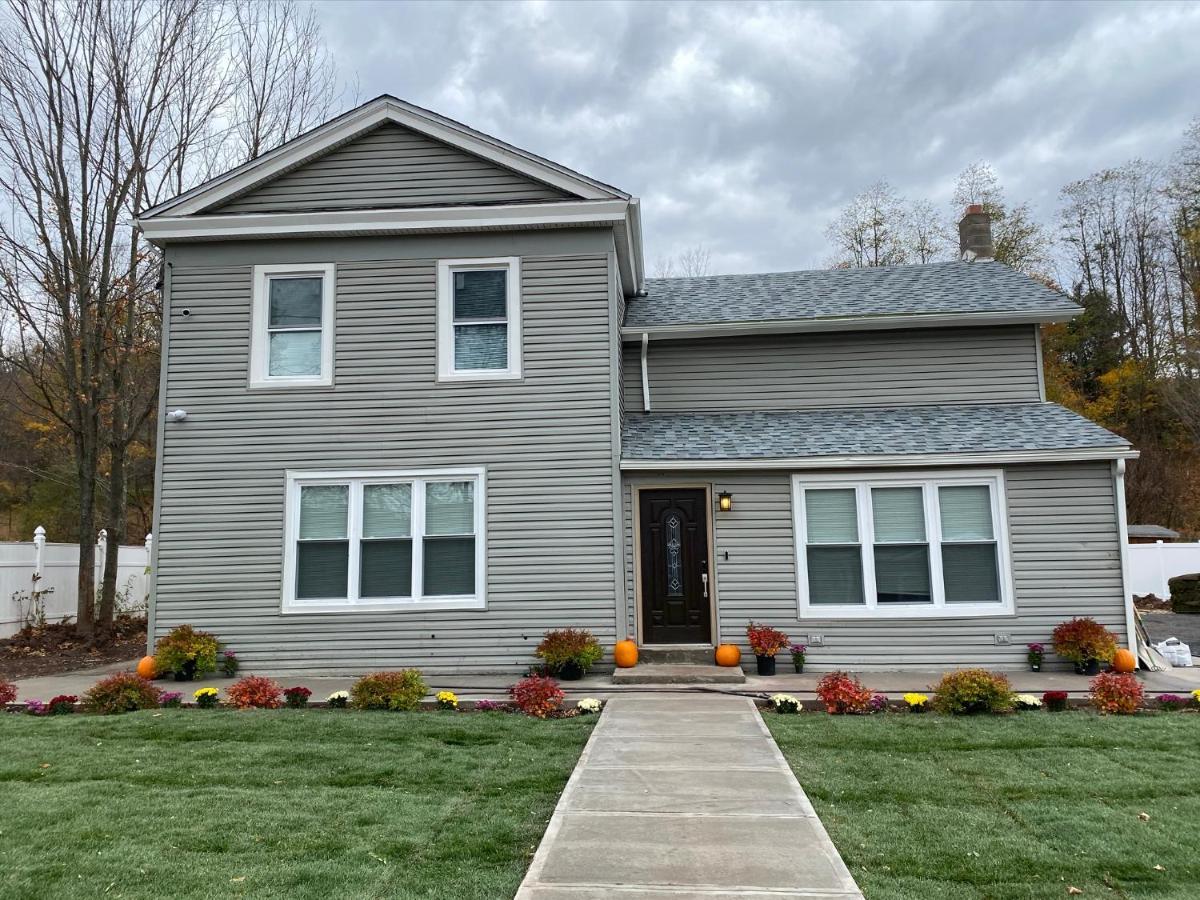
[(682, 798)]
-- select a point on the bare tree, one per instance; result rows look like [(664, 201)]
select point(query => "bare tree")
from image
[(1020, 241), (691, 263), (925, 234), (106, 109), (872, 230)]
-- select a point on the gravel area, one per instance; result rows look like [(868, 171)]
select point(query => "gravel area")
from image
[(1161, 626)]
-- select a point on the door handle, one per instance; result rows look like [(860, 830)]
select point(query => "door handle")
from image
[(704, 581)]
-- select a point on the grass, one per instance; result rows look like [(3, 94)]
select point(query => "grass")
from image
[(1005, 807), (280, 803)]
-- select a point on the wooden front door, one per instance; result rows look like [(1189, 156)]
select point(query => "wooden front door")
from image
[(673, 527)]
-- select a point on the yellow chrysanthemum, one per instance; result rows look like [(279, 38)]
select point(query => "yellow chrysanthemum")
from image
[(915, 699)]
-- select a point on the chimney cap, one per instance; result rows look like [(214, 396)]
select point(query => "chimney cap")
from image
[(974, 209)]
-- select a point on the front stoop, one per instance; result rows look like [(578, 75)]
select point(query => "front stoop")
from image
[(679, 673)]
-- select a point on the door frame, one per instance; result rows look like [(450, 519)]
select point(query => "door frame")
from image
[(636, 486)]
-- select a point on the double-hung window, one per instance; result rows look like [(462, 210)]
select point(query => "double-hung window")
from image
[(889, 546), (384, 539), (479, 318), (292, 327)]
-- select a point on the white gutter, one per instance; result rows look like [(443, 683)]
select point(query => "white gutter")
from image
[(860, 461), (849, 323)]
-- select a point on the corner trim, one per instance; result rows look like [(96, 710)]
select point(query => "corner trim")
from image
[(1118, 468)]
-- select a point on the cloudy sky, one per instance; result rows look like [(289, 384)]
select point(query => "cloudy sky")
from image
[(745, 127)]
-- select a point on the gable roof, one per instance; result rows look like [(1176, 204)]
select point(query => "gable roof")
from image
[(362, 119), (883, 297), (823, 438)]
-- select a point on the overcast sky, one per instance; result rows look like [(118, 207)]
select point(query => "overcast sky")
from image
[(744, 128)]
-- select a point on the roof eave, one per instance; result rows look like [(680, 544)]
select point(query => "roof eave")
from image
[(848, 323), (884, 460)]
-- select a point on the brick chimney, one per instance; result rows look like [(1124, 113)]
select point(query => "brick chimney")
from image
[(975, 234)]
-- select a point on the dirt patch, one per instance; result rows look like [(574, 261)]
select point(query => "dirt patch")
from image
[(1150, 603), (54, 649)]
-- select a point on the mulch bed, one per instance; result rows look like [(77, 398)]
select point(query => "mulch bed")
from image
[(54, 649)]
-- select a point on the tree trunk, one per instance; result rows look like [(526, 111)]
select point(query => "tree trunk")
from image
[(115, 516), (85, 610)]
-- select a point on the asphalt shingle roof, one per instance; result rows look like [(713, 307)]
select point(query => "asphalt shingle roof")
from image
[(860, 432), (981, 286)]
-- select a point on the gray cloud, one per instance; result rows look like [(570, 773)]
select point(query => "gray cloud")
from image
[(743, 127)]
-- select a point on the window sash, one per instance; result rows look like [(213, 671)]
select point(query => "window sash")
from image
[(263, 330), (356, 538), (450, 324), (811, 607)]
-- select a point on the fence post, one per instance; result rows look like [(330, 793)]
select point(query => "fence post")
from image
[(39, 544), (1162, 570), (149, 549), (101, 553)]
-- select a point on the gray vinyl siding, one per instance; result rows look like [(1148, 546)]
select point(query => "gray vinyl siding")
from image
[(391, 166), (1066, 562), (863, 368), (547, 442)]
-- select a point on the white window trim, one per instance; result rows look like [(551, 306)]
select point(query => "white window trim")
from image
[(357, 479), (928, 482), (445, 318), (260, 353)]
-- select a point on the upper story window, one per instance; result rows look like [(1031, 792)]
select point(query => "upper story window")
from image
[(479, 318), (894, 546), (292, 330), (384, 540)]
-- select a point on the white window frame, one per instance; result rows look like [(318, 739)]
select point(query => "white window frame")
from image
[(260, 350), (445, 318), (929, 482), (356, 479)]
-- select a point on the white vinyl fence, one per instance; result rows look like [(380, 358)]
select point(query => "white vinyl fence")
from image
[(52, 571), (1151, 566)]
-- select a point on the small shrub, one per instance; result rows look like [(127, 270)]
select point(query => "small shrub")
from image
[(917, 703), (186, 651), (8, 693), (1055, 701), (338, 700), (1196, 696), (765, 640), (1119, 694), (123, 692), (171, 700), (35, 707), (785, 703), (972, 691), (490, 706), (1027, 702), (403, 690), (296, 697), (206, 697), (446, 700), (62, 705), (843, 694), (229, 664), (569, 646), (878, 703), (254, 692), (1172, 702), (1083, 640), (536, 696), (588, 706)]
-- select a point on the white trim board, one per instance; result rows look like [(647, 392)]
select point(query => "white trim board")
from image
[(364, 118), (446, 268), (260, 376), (885, 460)]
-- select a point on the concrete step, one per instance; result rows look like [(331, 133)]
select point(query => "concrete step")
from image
[(684, 655), (679, 673)]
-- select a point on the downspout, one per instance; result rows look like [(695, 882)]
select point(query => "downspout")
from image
[(1123, 535), (645, 372)]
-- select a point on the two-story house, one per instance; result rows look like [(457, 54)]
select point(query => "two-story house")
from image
[(425, 406)]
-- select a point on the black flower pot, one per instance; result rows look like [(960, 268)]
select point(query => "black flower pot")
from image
[(187, 672), (570, 671), (1088, 667), (1035, 667), (766, 665), (799, 664)]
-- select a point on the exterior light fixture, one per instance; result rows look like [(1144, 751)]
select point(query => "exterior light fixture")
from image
[(725, 501)]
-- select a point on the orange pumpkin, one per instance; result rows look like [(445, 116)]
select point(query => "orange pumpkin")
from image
[(625, 653), (146, 667), (728, 655), (1124, 661)]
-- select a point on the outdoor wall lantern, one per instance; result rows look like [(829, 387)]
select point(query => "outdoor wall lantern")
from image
[(725, 501)]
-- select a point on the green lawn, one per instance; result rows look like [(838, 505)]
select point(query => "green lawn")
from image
[(281, 803), (1022, 806)]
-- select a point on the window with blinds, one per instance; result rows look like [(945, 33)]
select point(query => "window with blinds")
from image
[(384, 538), (479, 318), (291, 341), (902, 547)]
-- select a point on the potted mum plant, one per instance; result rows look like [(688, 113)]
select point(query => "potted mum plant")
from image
[(798, 652), (1035, 653), (765, 641), (569, 652), (1086, 643), (187, 653)]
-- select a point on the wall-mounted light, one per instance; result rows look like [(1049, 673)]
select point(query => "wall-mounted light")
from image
[(177, 415), (725, 501)]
